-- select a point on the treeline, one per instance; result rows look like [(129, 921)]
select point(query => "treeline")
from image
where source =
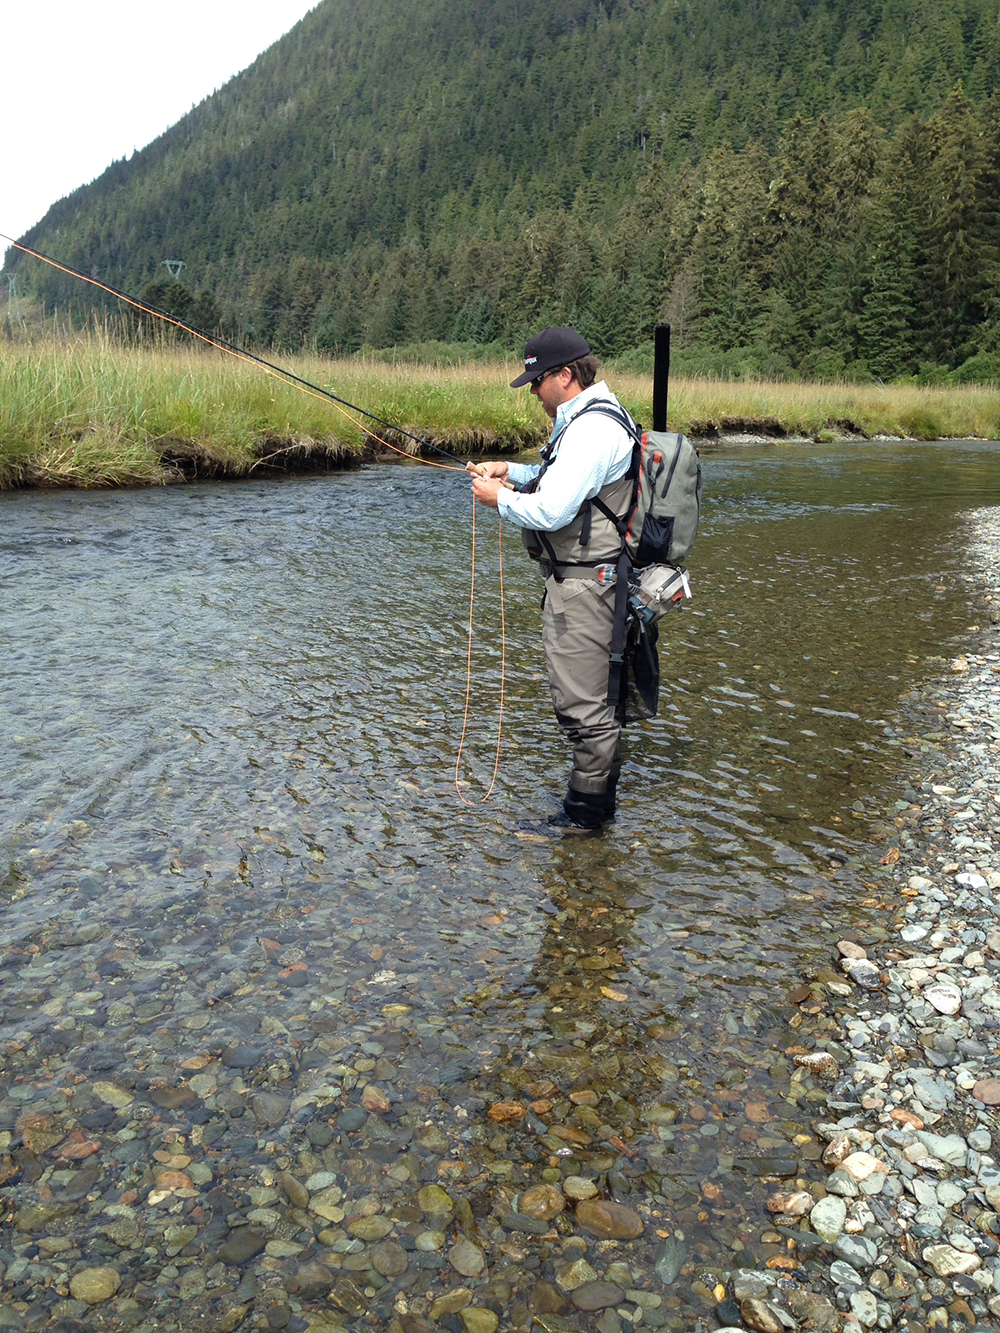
[(801, 188), (848, 253)]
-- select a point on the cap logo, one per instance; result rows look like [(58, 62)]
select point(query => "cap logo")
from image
[(530, 361)]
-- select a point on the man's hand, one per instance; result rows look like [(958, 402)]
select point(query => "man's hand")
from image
[(486, 489), (497, 470)]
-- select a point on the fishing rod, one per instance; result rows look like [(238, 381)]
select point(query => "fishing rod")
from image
[(233, 349), (293, 380)]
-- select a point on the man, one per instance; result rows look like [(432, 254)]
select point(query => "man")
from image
[(588, 457)]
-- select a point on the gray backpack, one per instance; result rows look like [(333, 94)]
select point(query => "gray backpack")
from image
[(659, 529), (663, 521)]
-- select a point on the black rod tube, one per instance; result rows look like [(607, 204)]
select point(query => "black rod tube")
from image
[(661, 375)]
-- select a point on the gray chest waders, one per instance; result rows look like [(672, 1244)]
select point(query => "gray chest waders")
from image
[(540, 548)]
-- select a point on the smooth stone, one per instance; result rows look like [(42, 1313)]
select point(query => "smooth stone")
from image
[(371, 1228), (579, 1187), (546, 1298), (467, 1258), (542, 1201), (113, 1095), (949, 1262), (352, 1118), (864, 1305), (269, 1108), (843, 1275), (596, 1295), (294, 1190), (669, 1260), (609, 1221), (477, 1319), (946, 998), (987, 1090), (529, 1226), (241, 1245), (827, 1217), (388, 1258), (860, 1165), (434, 1200), (862, 972), (429, 1241), (761, 1315), (94, 1285), (451, 1302), (192, 1284), (574, 1273), (950, 1148), (857, 1251)]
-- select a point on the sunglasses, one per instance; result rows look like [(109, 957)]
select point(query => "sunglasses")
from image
[(544, 375)]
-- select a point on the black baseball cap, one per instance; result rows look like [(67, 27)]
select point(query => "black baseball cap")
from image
[(549, 349)]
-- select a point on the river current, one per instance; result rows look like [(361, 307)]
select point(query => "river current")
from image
[(248, 924)]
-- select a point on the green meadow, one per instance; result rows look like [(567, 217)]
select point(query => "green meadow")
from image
[(92, 412)]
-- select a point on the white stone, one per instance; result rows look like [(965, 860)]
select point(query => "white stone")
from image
[(860, 1165), (827, 1217), (950, 1148), (864, 1305), (945, 997), (968, 881), (949, 1262)]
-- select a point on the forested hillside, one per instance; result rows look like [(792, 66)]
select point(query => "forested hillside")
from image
[(800, 187)]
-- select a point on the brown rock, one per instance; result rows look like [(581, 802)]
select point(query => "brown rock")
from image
[(586, 1097), (760, 1316), (596, 1295), (374, 1099), (609, 1221), (171, 1098), (173, 1180), (571, 1135), (790, 1203), (39, 1131), (294, 1190), (987, 1090), (544, 1201), (848, 949), (76, 1147), (904, 1117), (502, 1112), (388, 1258), (546, 1298)]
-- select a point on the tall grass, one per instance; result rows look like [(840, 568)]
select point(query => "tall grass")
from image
[(91, 412)]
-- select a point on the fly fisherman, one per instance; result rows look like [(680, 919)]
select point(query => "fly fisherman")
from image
[(587, 457)]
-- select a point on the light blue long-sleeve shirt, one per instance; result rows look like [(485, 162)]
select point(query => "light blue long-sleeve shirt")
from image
[(597, 451)]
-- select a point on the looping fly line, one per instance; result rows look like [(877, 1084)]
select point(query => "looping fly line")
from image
[(345, 408)]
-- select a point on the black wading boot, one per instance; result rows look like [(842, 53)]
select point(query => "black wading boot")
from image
[(583, 810)]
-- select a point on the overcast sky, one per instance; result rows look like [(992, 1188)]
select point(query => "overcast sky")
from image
[(84, 84)]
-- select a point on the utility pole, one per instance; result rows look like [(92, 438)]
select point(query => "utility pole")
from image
[(13, 306), (173, 266)]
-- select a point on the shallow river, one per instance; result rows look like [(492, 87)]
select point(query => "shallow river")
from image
[(249, 928)]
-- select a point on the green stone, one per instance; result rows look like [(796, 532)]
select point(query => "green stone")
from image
[(370, 1228), (433, 1199), (476, 1319)]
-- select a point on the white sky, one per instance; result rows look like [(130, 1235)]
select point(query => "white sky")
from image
[(84, 84)]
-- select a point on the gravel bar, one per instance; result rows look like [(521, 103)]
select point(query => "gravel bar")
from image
[(908, 1217)]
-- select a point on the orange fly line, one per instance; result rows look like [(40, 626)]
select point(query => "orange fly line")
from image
[(295, 383)]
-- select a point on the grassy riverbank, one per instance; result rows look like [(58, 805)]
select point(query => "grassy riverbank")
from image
[(93, 413)]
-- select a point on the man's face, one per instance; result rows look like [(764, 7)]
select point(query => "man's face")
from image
[(554, 388)]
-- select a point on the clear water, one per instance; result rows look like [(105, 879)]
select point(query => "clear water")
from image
[(229, 721)]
